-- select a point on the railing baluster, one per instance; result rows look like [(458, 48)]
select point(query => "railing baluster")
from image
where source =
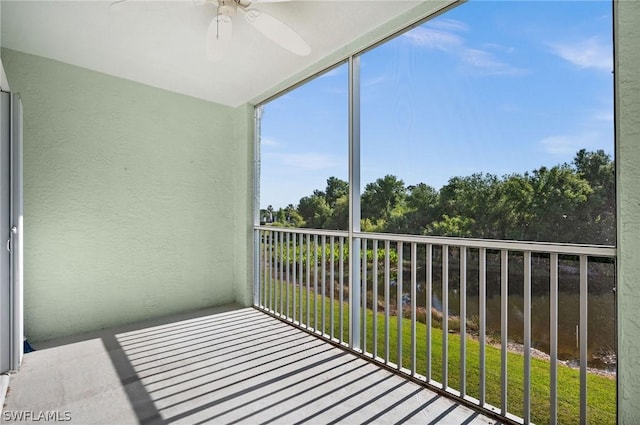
[(274, 271), (527, 338), (257, 267), (374, 287), (445, 316), (288, 277), (274, 285), (342, 289), (308, 284), (270, 284), (300, 278), (387, 273), (399, 308), (282, 265), (553, 339), (263, 254), (324, 285), (274, 276), (414, 284), (584, 288), (482, 312), (267, 264), (278, 269), (428, 304), (332, 286), (504, 299), (364, 296), (463, 321), (294, 267), (315, 283)]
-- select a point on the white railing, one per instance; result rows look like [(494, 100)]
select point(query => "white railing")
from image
[(302, 277)]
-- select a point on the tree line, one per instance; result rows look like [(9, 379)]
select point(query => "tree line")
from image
[(571, 203)]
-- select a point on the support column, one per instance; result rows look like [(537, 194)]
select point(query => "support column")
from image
[(627, 104), (354, 202)]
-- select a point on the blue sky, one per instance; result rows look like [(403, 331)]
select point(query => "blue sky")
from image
[(491, 86)]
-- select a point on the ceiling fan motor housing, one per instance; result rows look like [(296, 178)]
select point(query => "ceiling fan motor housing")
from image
[(227, 7)]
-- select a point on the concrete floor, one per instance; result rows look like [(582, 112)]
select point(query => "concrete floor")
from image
[(220, 366)]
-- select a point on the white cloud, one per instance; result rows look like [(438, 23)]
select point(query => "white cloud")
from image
[(442, 35), (433, 38), (588, 53), (486, 63), (305, 161), (449, 24), (568, 144)]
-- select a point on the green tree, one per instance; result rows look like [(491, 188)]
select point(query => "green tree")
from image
[(420, 210), (565, 203), (513, 208), (381, 197), (266, 215), (558, 192), (453, 226), (336, 189), (473, 197), (314, 210), (339, 219), (597, 216), (281, 216)]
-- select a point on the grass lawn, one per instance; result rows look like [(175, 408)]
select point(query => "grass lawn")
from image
[(601, 390)]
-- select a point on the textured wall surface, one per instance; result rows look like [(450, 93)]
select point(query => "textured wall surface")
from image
[(132, 199), (628, 156), (244, 205)]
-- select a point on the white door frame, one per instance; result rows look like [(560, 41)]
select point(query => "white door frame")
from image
[(11, 235)]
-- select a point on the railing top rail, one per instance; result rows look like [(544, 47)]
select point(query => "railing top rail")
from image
[(531, 246), (304, 231)]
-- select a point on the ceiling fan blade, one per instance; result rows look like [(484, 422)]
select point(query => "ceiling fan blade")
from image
[(277, 31), (219, 37)]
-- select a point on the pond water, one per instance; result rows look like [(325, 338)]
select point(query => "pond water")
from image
[(601, 341), (601, 323)]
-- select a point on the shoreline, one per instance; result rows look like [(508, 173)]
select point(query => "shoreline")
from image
[(518, 348), (513, 347)]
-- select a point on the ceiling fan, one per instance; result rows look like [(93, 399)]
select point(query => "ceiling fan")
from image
[(220, 30)]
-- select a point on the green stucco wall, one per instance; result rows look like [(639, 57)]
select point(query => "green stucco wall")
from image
[(135, 199), (627, 46), (243, 179)]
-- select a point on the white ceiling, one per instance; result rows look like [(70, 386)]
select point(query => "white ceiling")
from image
[(162, 44)]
